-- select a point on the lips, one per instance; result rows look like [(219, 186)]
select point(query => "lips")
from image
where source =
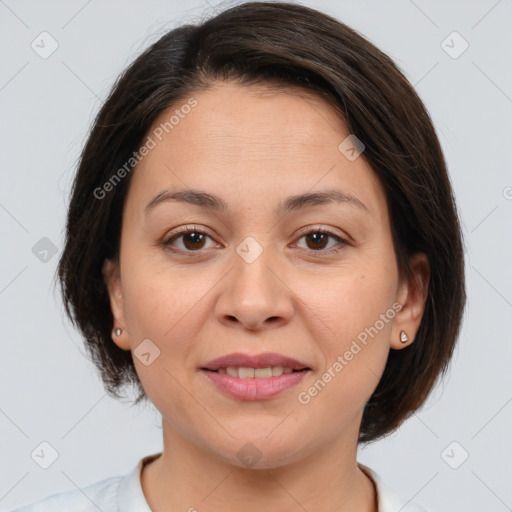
[(256, 388), (264, 360)]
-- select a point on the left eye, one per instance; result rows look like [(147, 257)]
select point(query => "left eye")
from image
[(319, 238), (193, 240)]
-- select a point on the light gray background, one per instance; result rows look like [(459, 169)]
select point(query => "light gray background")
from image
[(50, 392)]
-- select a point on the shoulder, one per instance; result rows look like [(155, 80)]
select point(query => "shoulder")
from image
[(101, 495), (388, 499), (109, 495)]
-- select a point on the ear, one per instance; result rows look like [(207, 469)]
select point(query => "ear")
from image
[(112, 278), (412, 296)]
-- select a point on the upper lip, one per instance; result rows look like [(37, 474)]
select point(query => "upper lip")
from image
[(267, 359)]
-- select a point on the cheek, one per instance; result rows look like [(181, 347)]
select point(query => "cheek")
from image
[(164, 307), (349, 303), (357, 308), (160, 300)]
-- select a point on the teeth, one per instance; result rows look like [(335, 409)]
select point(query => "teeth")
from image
[(277, 370), (254, 373), (244, 373), (263, 373)]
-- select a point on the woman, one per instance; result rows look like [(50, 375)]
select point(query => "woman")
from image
[(262, 237)]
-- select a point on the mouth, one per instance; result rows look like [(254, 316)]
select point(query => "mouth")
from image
[(244, 372), (255, 365), (254, 376), (250, 384)]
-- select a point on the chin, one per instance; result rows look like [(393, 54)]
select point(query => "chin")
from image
[(259, 453)]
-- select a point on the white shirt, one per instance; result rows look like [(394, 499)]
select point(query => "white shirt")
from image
[(124, 494)]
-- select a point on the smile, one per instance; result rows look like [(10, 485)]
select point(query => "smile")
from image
[(254, 373), (254, 383)]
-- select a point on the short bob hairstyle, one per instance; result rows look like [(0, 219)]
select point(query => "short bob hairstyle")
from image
[(281, 45)]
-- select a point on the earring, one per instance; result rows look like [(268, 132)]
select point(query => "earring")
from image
[(118, 331), (403, 337)]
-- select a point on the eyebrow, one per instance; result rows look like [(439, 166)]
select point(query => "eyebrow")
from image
[(292, 203)]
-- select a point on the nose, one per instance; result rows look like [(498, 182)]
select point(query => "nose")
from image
[(255, 295)]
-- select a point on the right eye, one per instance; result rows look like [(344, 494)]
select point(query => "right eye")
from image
[(193, 239)]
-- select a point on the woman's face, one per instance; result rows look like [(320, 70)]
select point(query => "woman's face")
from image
[(257, 276)]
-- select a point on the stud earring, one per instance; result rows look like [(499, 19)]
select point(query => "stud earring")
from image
[(403, 337), (118, 331)]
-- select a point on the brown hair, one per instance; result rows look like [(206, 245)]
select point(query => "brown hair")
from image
[(293, 45)]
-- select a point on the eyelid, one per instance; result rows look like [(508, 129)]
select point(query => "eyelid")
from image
[(342, 239), (183, 230), (322, 229)]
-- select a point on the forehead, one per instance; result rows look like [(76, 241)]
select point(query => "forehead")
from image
[(252, 142)]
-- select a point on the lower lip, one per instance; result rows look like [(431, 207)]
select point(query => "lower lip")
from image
[(254, 389)]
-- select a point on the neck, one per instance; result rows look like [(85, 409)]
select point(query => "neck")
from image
[(186, 477)]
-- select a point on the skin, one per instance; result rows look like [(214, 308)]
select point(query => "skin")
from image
[(253, 147)]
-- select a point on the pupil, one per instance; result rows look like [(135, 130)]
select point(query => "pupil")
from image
[(195, 237), (318, 237)]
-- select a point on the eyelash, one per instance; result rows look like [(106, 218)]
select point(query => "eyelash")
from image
[(188, 229)]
